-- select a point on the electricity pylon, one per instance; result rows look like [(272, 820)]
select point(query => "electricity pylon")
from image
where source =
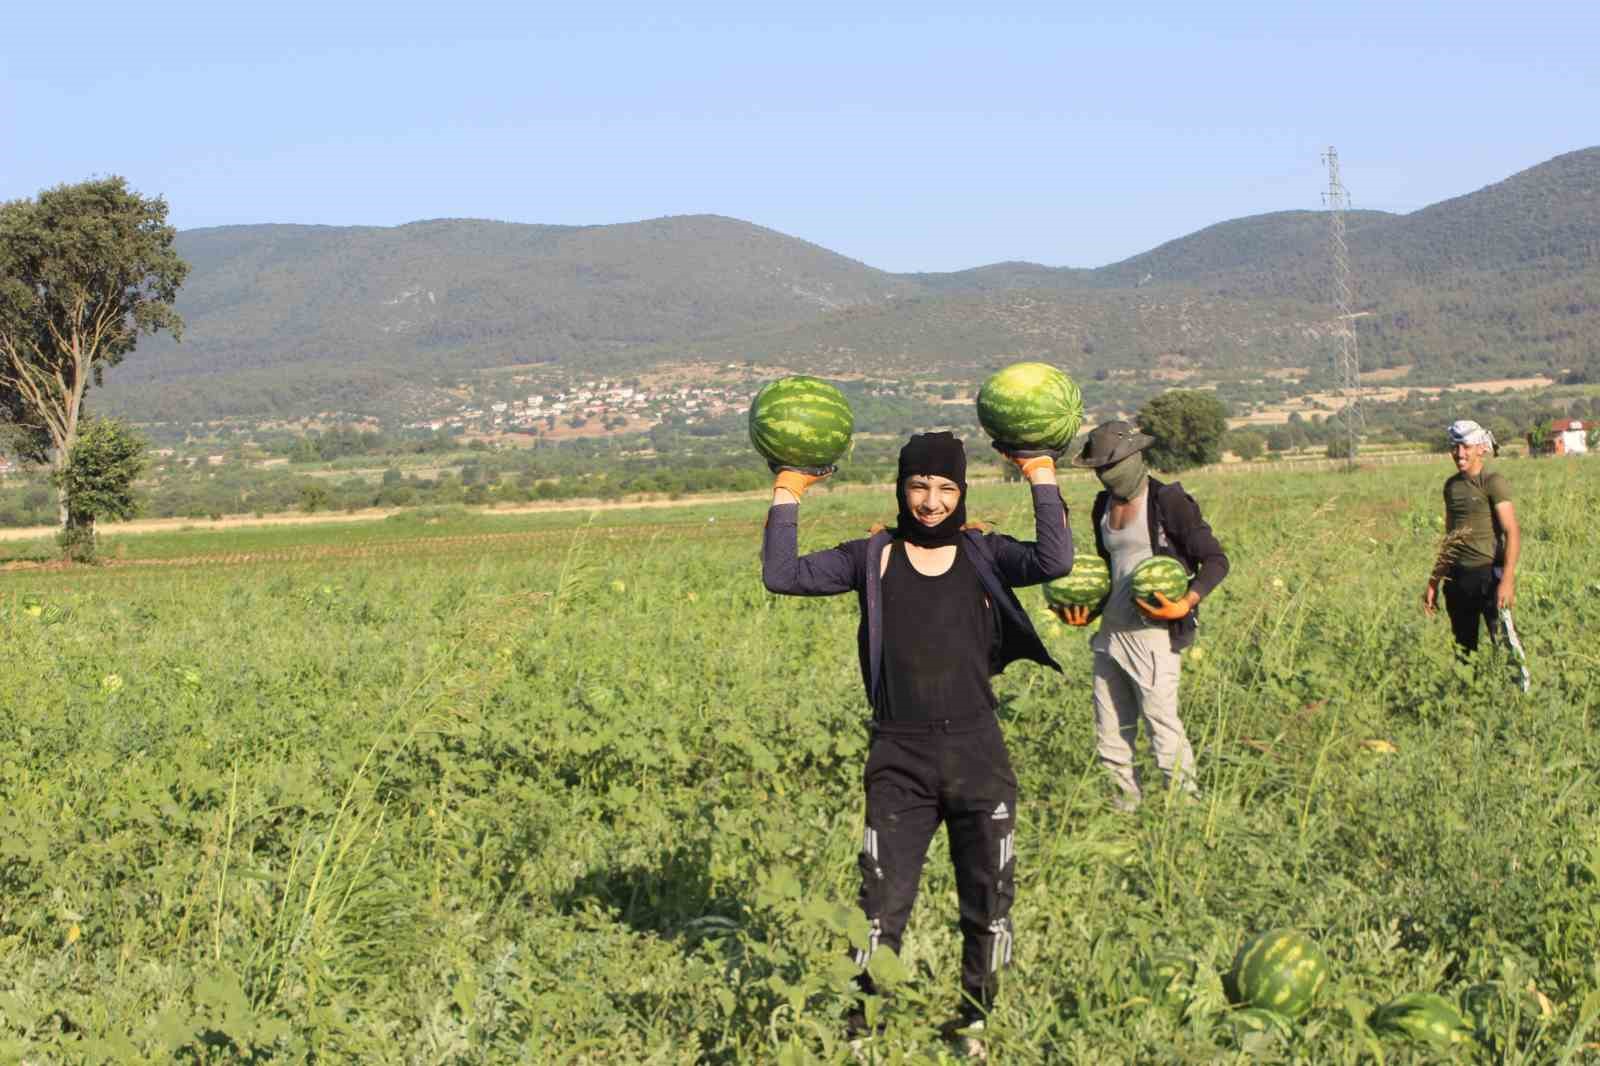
[(1346, 358)]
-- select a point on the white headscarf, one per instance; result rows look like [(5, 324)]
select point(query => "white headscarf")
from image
[(1466, 431)]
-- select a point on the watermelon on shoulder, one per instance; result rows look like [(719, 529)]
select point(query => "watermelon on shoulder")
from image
[(801, 421), (1280, 970), (1159, 573), (1030, 404)]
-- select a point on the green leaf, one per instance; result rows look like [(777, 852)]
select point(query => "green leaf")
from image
[(886, 968)]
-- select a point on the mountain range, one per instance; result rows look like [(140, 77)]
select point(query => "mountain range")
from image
[(289, 319)]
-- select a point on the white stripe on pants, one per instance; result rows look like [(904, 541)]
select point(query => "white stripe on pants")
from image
[(1136, 676)]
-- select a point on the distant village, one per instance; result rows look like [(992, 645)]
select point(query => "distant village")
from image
[(606, 404)]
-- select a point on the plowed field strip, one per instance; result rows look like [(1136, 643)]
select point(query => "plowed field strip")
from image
[(415, 546)]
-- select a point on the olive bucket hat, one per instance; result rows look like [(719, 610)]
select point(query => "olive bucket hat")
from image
[(1112, 442)]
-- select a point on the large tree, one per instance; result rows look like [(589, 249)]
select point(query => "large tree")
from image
[(85, 270), (1187, 425)]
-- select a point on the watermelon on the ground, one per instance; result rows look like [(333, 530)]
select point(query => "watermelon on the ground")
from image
[(1030, 404), (1159, 573), (1280, 970), (1086, 585), (1425, 1016), (801, 421), (1163, 974)]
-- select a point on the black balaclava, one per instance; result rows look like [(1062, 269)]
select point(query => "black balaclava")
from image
[(932, 453)]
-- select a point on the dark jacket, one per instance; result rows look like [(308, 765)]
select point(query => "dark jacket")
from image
[(1002, 562), (1176, 529)]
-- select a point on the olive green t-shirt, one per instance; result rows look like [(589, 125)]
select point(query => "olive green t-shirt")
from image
[(1469, 506)]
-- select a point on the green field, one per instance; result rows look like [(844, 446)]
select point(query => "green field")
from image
[(568, 788)]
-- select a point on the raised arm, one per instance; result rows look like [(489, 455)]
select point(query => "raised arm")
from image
[(784, 570), (1049, 554)]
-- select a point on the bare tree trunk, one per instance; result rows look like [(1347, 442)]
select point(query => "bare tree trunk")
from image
[(58, 466)]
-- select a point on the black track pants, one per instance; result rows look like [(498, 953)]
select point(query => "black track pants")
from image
[(958, 773), (1470, 597)]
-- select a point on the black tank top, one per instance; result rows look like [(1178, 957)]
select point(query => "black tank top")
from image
[(937, 633)]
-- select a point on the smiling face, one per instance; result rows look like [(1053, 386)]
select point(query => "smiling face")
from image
[(931, 498), (1469, 457)]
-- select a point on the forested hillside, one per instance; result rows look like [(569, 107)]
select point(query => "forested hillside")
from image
[(290, 319)]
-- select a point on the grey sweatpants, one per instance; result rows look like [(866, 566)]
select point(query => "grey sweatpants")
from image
[(1136, 676)]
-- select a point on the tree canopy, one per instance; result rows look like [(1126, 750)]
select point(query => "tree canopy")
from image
[(1187, 425), (85, 270)]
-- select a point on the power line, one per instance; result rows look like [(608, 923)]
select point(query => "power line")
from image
[(1346, 358)]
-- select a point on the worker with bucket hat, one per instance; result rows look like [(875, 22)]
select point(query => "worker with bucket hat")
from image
[(1136, 651)]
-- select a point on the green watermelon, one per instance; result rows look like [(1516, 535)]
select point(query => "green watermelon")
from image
[(1163, 975), (1280, 970), (801, 421), (1086, 585), (1159, 573), (1424, 1016), (1031, 404)]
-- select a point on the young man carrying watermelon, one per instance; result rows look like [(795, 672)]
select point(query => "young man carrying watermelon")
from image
[(1477, 565), (938, 619), (1136, 651)]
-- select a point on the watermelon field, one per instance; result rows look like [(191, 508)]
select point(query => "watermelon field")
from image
[(456, 787)]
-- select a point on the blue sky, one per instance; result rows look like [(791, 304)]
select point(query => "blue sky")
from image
[(911, 137)]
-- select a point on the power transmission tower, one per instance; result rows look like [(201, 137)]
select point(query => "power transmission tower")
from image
[(1347, 359)]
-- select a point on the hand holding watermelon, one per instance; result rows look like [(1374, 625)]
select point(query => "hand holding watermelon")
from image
[(1073, 616), (1166, 610), (795, 480), (1160, 588), (1030, 460)]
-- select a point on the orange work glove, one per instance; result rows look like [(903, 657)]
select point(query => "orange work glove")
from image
[(1029, 465), (797, 481), (1073, 616), (1168, 611), (1027, 460)]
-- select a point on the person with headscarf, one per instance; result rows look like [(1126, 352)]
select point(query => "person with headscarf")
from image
[(1477, 564), (1136, 651), (938, 620)]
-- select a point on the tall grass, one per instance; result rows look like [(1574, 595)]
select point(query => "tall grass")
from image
[(576, 789)]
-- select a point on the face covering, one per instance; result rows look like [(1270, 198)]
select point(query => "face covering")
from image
[(1125, 477), (940, 454)]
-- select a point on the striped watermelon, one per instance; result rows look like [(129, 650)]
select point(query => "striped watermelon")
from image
[(1031, 404), (1424, 1016), (1281, 970), (1164, 975), (801, 421), (1088, 583), (1159, 573)]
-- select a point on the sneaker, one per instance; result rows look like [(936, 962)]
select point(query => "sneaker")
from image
[(965, 1035), (859, 1034)]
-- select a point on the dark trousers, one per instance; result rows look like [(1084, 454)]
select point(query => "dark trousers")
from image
[(1470, 598), (959, 773)]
